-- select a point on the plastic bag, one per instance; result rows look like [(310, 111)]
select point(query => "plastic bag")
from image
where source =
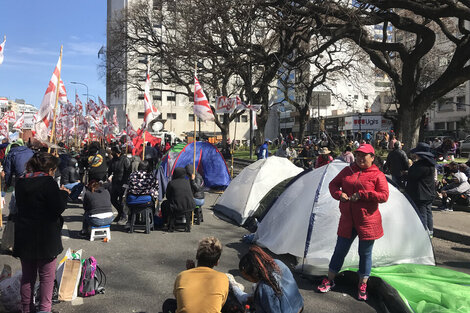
[(10, 296)]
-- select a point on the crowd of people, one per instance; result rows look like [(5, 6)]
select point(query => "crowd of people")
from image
[(103, 177)]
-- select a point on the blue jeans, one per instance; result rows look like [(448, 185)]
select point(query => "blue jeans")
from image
[(342, 248), (199, 202), (75, 189), (94, 221)]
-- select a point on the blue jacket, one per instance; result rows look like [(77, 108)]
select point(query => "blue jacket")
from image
[(262, 149), (266, 300), (15, 162)]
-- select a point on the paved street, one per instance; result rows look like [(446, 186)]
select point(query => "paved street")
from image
[(141, 268)]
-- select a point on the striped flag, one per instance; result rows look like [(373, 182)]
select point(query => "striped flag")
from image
[(201, 104), (19, 122), (129, 128), (103, 108), (2, 47), (78, 105), (46, 112), (151, 111)]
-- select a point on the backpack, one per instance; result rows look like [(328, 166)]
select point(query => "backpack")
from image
[(92, 280)]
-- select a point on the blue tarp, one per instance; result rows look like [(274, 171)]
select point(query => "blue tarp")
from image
[(209, 163)]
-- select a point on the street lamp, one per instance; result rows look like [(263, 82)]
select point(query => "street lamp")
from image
[(360, 125), (77, 83)]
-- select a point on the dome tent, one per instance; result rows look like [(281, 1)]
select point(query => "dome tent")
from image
[(304, 220), (242, 197), (209, 163)]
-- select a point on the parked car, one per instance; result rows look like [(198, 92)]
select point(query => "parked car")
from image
[(465, 146)]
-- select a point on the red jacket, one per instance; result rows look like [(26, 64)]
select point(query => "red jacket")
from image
[(363, 214)]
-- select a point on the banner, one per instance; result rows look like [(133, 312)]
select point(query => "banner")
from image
[(225, 104)]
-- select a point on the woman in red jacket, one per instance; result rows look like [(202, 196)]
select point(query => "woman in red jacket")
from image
[(359, 188)]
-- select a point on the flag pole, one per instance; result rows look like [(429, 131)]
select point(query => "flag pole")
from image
[(195, 117), (143, 147), (1, 204), (56, 102), (233, 141)]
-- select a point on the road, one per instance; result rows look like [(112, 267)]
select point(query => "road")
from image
[(141, 268)]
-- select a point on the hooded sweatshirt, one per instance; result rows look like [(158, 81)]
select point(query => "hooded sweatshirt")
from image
[(179, 193), (460, 188)]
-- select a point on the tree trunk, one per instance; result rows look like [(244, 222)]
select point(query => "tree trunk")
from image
[(408, 125), (303, 118)]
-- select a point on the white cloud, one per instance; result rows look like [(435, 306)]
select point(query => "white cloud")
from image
[(35, 51), (74, 37), (83, 48)]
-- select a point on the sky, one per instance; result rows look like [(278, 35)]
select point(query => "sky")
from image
[(35, 30)]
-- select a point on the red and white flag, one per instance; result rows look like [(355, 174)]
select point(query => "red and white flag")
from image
[(201, 104), (115, 120), (78, 105), (19, 122), (129, 128), (255, 125), (151, 111), (10, 116), (4, 127), (103, 107), (46, 112), (2, 47)]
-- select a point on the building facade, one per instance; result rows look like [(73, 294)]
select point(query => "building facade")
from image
[(176, 108)]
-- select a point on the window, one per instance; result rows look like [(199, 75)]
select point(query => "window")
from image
[(440, 126), (450, 125), (171, 97), (157, 97), (356, 97), (366, 97), (171, 116), (445, 105), (244, 118), (140, 114), (461, 104), (237, 119), (141, 97), (191, 117)]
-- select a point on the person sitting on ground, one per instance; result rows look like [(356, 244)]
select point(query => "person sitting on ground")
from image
[(200, 289), (142, 185), (458, 191), (276, 290), (347, 156), (97, 206), (282, 152), (70, 179), (324, 157), (197, 186), (179, 200)]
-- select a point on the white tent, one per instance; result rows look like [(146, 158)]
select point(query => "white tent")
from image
[(304, 220), (241, 198)]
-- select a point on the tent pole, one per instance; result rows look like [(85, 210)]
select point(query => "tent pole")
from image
[(233, 141)]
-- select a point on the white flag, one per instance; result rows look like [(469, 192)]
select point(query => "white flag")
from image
[(2, 47), (46, 112), (201, 104), (151, 111)]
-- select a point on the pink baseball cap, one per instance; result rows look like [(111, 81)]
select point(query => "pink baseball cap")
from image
[(366, 148)]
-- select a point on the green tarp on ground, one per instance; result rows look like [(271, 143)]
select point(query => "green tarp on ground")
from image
[(428, 289)]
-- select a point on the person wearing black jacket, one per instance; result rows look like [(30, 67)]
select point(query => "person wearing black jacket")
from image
[(97, 163), (197, 187), (38, 238), (70, 179), (97, 206), (421, 186), (120, 170), (397, 164), (179, 200)]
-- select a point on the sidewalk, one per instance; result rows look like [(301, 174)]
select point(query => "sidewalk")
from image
[(453, 226)]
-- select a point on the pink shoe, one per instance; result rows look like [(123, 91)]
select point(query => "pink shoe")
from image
[(325, 285), (362, 293)]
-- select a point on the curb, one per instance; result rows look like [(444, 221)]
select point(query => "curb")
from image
[(451, 235)]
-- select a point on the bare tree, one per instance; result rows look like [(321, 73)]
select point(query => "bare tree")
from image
[(420, 22), (310, 70)]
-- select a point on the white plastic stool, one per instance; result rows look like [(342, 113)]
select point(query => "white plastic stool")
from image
[(99, 232)]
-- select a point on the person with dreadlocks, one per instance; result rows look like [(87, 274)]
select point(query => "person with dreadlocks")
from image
[(359, 188), (276, 290)]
